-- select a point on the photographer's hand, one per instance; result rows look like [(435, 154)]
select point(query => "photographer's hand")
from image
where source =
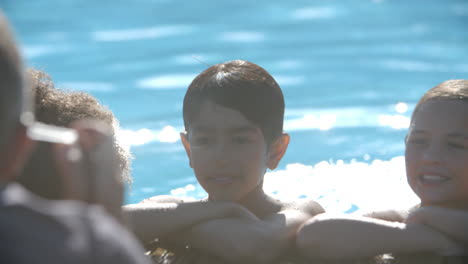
[(89, 168)]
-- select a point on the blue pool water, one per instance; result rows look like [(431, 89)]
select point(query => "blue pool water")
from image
[(351, 72)]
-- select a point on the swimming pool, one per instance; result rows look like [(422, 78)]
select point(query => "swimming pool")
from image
[(351, 72)]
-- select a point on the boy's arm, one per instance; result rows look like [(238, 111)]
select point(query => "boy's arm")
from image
[(391, 215), (451, 222), (164, 215), (388, 215), (346, 237), (251, 240)]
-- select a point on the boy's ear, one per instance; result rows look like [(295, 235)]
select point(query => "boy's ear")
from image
[(277, 151), (185, 142)]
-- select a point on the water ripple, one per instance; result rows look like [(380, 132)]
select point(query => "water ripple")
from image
[(128, 137), (309, 13), (140, 33), (243, 36), (170, 81), (326, 119)]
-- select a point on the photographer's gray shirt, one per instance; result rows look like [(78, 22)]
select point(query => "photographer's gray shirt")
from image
[(33, 230)]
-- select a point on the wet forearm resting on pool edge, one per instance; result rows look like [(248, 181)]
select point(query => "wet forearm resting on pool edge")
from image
[(353, 237), (243, 240), (155, 220), (451, 222)]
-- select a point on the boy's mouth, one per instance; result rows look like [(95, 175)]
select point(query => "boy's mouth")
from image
[(432, 179), (222, 179)]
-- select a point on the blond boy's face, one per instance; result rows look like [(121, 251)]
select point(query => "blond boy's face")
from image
[(227, 152), (437, 153)]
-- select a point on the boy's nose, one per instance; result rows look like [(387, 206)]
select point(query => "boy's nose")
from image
[(221, 154), (433, 154)]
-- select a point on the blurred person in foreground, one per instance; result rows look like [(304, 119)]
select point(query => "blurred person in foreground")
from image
[(33, 230)]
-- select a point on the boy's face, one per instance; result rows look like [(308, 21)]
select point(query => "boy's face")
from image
[(437, 153), (227, 152)]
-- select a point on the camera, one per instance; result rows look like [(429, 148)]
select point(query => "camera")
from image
[(41, 175)]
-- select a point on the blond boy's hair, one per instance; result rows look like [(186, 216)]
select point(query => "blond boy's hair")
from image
[(456, 90)]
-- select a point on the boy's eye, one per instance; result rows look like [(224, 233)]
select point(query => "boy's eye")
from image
[(241, 139), (416, 141), (457, 145)]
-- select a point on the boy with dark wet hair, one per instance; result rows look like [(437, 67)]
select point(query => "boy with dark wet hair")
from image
[(233, 116), (34, 230)]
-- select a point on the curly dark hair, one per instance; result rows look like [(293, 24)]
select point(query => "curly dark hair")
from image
[(60, 108)]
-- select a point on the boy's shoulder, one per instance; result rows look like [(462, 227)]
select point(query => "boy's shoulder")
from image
[(167, 199)]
